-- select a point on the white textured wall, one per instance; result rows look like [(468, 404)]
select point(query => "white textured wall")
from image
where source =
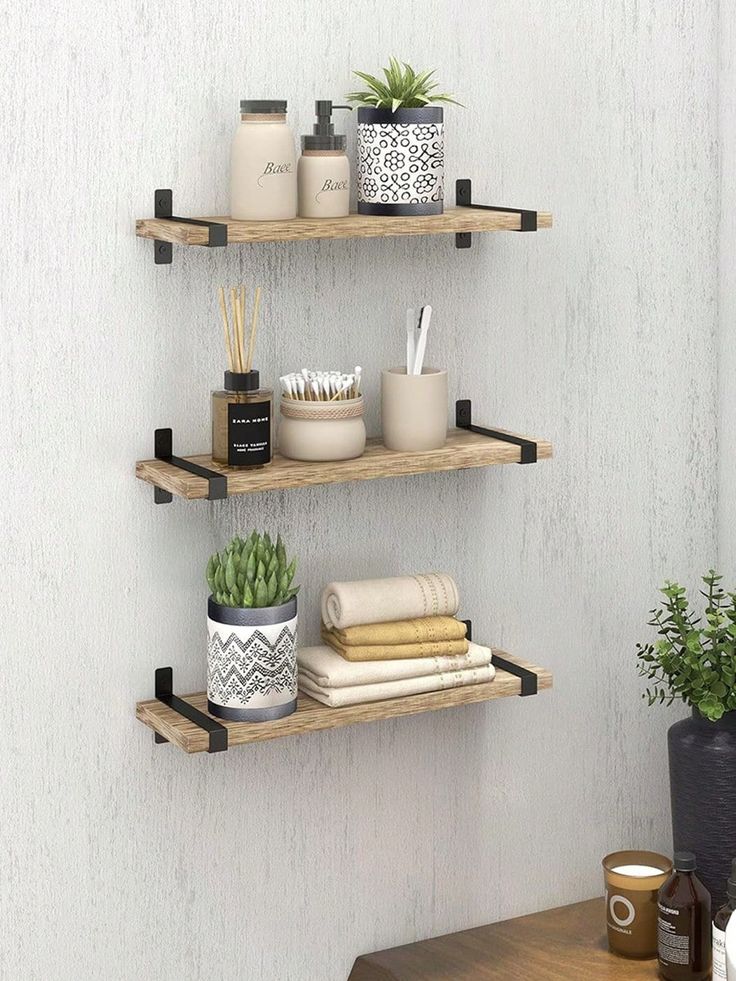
[(286, 860), (727, 297)]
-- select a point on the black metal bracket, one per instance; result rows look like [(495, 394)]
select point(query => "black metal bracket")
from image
[(163, 450), (464, 420), (464, 199), (529, 680), (164, 681), (163, 208)]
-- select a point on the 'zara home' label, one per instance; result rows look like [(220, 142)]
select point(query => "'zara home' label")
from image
[(248, 434)]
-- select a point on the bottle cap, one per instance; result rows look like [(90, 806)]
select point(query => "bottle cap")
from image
[(685, 862), (731, 885), (263, 106), (242, 381), (323, 132)]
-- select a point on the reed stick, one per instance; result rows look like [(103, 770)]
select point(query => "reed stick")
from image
[(242, 322), (236, 322), (226, 328), (254, 327)]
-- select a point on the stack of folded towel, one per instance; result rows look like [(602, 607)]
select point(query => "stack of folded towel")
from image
[(386, 638)]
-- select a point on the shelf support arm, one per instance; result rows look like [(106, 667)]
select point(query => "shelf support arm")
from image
[(163, 208), (464, 199), (164, 680), (529, 680), (463, 420), (163, 450)]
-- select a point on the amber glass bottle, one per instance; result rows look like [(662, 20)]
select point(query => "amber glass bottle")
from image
[(683, 924), (242, 421)]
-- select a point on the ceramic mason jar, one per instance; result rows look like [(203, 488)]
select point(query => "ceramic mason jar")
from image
[(251, 662), (316, 431)]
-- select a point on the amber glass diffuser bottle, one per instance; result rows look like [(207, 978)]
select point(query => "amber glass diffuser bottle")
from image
[(242, 412)]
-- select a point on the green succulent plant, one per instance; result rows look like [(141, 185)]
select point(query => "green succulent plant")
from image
[(693, 660), (251, 574), (403, 88)]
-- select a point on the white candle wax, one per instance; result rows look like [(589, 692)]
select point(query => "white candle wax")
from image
[(637, 871)]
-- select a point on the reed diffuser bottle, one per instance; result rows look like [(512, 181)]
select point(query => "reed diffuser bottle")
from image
[(242, 412)]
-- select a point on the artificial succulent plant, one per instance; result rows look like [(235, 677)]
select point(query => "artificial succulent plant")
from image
[(252, 573)]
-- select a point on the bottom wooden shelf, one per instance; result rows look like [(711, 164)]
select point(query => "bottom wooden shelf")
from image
[(311, 716)]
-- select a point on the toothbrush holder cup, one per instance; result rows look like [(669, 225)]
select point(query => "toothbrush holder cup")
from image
[(414, 409)]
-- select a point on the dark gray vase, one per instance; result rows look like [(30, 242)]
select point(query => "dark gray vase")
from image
[(703, 792)]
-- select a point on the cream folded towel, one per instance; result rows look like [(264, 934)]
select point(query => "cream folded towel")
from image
[(359, 694), (391, 652), (345, 604), (323, 668)]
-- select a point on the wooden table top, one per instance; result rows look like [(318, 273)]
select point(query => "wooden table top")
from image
[(565, 944)]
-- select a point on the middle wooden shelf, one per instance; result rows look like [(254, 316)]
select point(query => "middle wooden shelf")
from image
[(463, 450)]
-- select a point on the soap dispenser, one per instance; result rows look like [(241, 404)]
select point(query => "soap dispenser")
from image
[(323, 173)]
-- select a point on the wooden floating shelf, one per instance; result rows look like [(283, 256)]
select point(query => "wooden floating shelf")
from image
[(312, 716), (452, 221), (463, 450)]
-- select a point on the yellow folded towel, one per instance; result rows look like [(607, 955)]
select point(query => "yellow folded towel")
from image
[(423, 630), (391, 652)]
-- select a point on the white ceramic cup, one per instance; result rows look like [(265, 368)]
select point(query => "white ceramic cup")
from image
[(414, 409)]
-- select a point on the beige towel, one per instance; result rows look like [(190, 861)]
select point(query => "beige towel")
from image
[(359, 694), (419, 631), (391, 652), (345, 604), (322, 667)]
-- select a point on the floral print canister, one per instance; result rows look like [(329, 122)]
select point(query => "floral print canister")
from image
[(401, 161)]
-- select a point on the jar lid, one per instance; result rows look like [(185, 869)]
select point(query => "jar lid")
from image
[(263, 106), (242, 381)]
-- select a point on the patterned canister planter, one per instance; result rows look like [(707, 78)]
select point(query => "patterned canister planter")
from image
[(401, 161), (251, 662)]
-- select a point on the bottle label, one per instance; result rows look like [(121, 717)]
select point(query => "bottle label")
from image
[(674, 930), (248, 434), (719, 955)]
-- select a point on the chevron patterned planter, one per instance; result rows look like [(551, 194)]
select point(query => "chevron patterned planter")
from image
[(251, 662)]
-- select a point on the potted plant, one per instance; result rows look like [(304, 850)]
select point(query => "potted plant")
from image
[(694, 660), (251, 622), (401, 150)]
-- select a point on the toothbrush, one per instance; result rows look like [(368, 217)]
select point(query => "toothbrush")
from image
[(424, 320), (410, 353)]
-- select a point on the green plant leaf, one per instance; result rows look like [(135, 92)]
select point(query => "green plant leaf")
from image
[(230, 574), (248, 598), (261, 593)]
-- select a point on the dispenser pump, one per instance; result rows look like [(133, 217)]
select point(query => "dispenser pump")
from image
[(323, 135)]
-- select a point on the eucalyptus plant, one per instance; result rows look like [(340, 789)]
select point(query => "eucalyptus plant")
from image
[(694, 659), (252, 573), (403, 88)]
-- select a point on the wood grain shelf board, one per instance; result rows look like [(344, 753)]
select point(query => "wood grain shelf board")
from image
[(354, 226), (312, 716), (564, 944), (462, 451)]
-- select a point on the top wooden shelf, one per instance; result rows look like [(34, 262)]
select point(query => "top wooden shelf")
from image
[(452, 221)]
